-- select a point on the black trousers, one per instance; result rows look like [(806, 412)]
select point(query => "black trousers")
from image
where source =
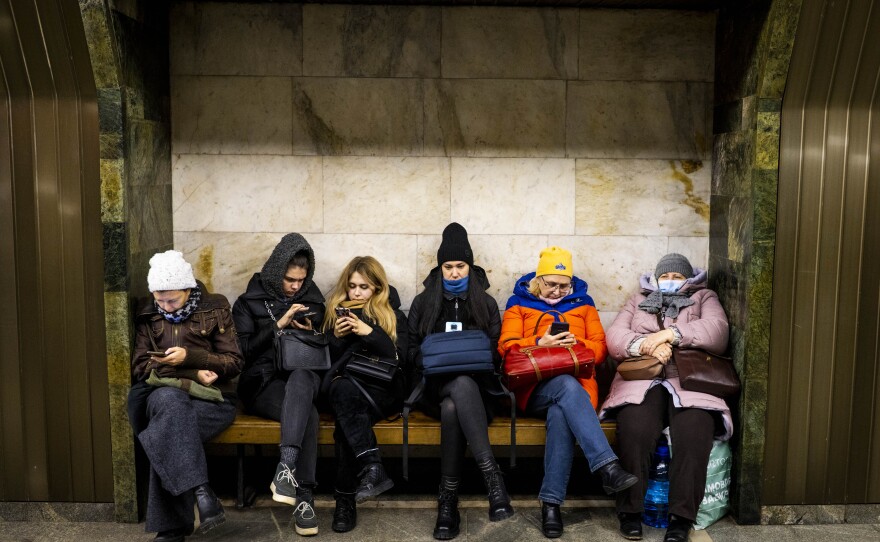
[(290, 398), (463, 421), (354, 440), (692, 430)]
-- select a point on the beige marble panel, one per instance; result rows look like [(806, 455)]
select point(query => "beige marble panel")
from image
[(493, 42), (334, 116), (230, 115), (504, 257), (386, 194), (227, 260), (395, 252), (619, 119), (514, 195), (611, 265), (236, 39), (495, 118), (371, 41), (247, 193), (643, 197), (696, 249), (636, 45)]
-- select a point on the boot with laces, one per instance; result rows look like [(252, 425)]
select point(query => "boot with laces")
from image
[(304, 518), (373, 482), (284, 485), (345, 515), (448, 518), (499, 500)]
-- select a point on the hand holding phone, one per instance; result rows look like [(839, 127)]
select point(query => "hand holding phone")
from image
[(342, 312), (156, 353), (302, 317), (558, 327)]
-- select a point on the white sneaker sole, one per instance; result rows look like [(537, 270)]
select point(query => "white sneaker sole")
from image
[(311, 531), (278, 497)]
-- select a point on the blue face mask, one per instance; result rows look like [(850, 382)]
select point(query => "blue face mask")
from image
[(670, 286), (459, 286)]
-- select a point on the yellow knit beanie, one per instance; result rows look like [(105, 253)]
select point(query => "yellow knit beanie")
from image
[(554, 261)]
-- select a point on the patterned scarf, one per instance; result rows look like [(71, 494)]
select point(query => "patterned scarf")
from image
[(181, 314), (672, 303)]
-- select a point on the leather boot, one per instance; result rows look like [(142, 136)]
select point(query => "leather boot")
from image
[(345, 516), (373, 482), (551, 520), (499, 500), (448, 518), (630, 525), (615, 479), (678, 530), (210, 510)]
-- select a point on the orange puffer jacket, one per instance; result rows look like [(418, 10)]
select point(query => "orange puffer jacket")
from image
[(523, 313)]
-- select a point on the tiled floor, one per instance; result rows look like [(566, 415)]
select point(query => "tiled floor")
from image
[(407, 520)]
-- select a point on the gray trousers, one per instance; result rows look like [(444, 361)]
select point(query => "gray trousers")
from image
[(177, 426)]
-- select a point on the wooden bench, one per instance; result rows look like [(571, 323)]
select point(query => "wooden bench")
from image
[(423, 431)]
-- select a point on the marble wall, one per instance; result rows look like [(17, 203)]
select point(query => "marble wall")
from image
[(369, 128)]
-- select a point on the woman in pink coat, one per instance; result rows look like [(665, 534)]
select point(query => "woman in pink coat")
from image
[(692, 318)]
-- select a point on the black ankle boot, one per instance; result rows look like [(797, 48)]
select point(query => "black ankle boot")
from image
[(678, 530), (615, 479), (345, 515), (499, 500), (448, 518), (210, 510), (551, 520), (630, 525)]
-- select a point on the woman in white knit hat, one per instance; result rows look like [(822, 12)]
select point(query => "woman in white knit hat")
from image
[(185, 363)]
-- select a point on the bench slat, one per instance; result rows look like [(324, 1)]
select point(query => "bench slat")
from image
[(423, 431)]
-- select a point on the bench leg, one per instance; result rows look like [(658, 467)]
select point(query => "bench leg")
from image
[(239, 499)]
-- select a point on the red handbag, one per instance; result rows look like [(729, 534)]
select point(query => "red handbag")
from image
[(527, 365)]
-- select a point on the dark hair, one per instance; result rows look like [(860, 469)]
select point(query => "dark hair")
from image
[(478, 313), (300, 259)]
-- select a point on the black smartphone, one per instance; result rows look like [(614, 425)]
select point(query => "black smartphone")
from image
[(156, 354), (558, 327), (301, 317)]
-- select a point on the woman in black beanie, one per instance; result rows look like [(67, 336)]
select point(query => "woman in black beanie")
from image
[(455, 299)]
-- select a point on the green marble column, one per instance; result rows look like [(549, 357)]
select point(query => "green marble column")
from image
[(128, 45), (752, 61)]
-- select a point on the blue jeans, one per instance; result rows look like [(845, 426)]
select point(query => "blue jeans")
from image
[(570, 417)]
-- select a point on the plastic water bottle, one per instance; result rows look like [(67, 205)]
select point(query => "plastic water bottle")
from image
[(657, 496)]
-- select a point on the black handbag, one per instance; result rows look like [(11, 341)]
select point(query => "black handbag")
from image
[(300, 349), (376, 370)]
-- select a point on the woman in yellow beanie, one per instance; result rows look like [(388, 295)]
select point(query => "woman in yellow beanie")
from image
[(569, 403)]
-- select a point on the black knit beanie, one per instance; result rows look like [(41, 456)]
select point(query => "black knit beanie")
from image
[(674, 263), (455, 246)]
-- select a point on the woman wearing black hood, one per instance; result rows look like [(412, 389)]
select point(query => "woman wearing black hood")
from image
[(455, 298), (273, 298)]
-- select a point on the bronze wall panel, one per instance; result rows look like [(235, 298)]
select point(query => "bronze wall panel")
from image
[(61, 437), (823, 370)]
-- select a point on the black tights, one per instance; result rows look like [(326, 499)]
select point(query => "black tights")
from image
[(463, 421)]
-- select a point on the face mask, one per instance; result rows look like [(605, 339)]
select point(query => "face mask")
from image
[(549, 301), (670, 286)]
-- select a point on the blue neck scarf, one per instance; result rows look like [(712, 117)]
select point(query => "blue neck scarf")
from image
[(459, 286), (184, 312)]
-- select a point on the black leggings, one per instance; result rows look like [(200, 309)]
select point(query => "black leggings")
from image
[(463, 421)]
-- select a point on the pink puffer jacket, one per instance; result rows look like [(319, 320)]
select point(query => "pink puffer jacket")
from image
[(702, 325)]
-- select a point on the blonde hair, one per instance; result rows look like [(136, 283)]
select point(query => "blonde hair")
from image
[(534, 288), (377, 308)]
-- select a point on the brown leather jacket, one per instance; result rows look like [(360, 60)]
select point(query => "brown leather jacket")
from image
[(208, 336)]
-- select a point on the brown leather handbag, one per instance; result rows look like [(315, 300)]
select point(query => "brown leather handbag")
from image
[(701, 371), (641, 368)]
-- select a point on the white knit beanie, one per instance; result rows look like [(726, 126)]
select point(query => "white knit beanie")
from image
[(169, 271)]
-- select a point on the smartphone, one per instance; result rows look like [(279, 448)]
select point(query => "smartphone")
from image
[(156, 354), (301, 317), (342, 312), (558, 327)]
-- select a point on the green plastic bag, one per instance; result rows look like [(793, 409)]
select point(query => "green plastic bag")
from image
[(716, 500)]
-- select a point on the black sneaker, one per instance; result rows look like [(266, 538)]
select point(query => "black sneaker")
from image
[(284, 485), (345, 515), (373, 482)]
